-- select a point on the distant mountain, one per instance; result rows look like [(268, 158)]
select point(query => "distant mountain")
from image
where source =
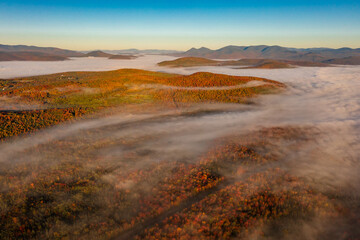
[(333, 53), (134, 51), (46, 50), (29, 56), (236, 52), (198, 51), (98, 54), (271, 52), (353, 60)]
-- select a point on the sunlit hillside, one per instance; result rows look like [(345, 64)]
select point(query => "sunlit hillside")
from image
[(61, 97), (243, 63)]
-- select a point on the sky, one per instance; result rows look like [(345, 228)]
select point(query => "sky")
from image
[(179, 25)]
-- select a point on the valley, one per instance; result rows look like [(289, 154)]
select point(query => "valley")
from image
[(188, 153)]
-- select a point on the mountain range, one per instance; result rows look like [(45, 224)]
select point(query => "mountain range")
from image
[(33, 53), (275, 52), (347, 56), (47, 50), (29, 56)]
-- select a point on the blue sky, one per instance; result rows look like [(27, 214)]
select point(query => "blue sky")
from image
[(86, 25)]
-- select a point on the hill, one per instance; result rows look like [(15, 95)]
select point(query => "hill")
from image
[(83, 92), (125, 57), (46, 50), (249, 63), (97, 54), (189, 62), (353, 60), (270, 65), (272, 52), (29, 56), (273, 64)]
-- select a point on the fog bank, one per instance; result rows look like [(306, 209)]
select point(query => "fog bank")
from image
[(324, 99)]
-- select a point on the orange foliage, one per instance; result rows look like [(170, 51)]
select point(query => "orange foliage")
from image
[(13, 123)]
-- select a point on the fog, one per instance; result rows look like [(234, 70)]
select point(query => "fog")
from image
[(11, 69), (324, 99)]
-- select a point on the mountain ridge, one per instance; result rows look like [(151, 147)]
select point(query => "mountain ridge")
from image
[(272, 52), (29, 56), (48, 50)]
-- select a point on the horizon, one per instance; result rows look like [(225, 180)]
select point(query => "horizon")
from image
[(159, 49), (179, 25)]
